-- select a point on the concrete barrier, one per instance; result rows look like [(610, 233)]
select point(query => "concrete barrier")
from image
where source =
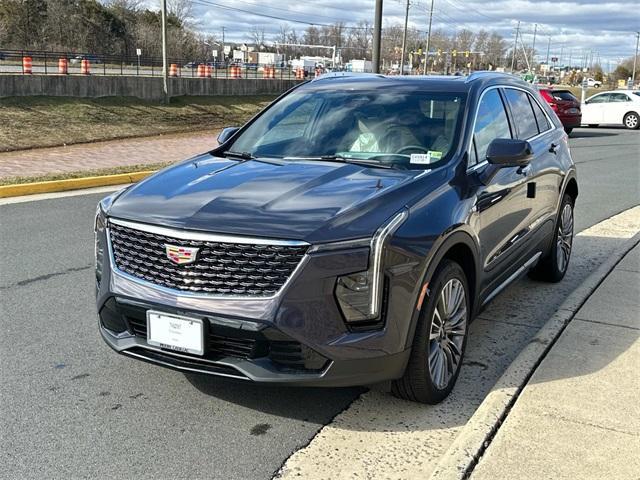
[(146, 88)]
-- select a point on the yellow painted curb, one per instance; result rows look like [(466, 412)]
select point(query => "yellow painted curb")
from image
[(71, 184)]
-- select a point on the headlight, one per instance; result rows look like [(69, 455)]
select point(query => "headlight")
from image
[(360, 294), (99, 225)]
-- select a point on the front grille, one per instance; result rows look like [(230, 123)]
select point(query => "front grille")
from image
[(221, 268)]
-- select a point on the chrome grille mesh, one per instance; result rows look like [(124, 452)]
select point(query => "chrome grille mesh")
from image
[(221, 268)]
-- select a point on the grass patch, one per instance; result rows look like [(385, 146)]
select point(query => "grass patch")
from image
[(84, 173), (29, 122)]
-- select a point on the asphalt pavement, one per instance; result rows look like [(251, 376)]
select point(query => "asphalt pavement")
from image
[(72, 408)]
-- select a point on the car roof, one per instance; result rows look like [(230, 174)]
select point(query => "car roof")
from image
[(443, 83)]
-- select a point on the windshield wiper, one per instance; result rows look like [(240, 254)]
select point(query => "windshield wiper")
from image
[(341, 159), (242, 155)]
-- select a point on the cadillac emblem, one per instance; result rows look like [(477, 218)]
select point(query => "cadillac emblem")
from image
[(181, 255)]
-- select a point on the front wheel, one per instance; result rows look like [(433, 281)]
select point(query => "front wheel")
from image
[(631, 121), (553, 267), (440, 338)]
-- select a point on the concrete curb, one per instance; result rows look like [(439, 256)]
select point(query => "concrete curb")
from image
[(71, 184), (463, 454)]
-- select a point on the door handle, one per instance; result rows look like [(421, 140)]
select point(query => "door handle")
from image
[(554, 148)]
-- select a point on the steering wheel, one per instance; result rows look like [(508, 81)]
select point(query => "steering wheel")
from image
[(411, 147)]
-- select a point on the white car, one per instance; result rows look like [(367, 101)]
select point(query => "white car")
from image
[(619, 107), (593, 83)]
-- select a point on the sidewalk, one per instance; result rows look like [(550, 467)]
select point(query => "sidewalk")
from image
[(111, 153), (579, 414)]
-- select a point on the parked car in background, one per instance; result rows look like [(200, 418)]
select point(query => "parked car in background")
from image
[(346, 235), (619, 107), (566, 106), (191, 65)]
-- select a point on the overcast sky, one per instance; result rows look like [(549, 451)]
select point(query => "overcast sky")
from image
[(575, 26)]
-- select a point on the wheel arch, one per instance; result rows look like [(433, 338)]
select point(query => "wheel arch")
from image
[(460, 247)]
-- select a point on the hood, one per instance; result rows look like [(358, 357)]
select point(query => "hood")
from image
[(303, 200)]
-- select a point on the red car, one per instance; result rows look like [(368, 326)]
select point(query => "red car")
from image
[(566, 106)]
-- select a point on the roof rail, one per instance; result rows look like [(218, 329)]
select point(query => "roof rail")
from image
[(331, 75), (489, 74)]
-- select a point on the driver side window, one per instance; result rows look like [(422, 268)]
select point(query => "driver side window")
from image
[(491, 123)]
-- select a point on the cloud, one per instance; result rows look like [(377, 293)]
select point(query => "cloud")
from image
[(577, 26)]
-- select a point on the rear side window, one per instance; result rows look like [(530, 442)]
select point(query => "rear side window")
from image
[(619, 97), (491, 123), (563, 95), (541, 118), (522, 113)]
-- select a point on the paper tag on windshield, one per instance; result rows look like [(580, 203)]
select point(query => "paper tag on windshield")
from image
[(425, 158)]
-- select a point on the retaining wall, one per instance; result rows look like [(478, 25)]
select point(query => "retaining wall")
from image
[(147, 88)]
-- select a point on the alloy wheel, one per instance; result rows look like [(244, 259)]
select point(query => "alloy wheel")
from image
[(631, 121), (565, 237), (446, 336)]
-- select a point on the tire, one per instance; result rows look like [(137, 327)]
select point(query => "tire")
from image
[(553, 267), (438, 347), (631, 121), (568, 130), (593, 125)]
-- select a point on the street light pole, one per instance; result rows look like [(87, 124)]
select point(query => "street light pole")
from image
[(635, 60), (165, 76), (515, 47), (533, 48), (404, 39), (377, 36), (426, 55)]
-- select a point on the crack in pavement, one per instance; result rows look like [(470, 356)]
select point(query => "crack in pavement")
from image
[(42, 278)]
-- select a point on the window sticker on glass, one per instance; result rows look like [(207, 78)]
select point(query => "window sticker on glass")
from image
[(425, 158)]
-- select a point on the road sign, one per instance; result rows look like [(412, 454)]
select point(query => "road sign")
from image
[(214, 54), (138, 51)]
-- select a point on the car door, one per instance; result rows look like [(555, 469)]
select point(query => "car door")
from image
[(618, 105), (500, 212), (544, 177), (593, 109)]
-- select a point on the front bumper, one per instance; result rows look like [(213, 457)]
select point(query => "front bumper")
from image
[(296, 338)]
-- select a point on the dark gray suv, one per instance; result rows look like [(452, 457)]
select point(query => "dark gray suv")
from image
[(346, 235)]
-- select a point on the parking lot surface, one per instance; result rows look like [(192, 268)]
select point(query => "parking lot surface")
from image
[(72, 408)]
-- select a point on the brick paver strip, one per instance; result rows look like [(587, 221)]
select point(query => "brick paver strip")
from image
[(112, 153)]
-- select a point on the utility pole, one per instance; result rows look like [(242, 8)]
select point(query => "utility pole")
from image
[(377, 36), (426, 55), (635, 60), (533, 47), (223, 29), (165, 73), (515, 47), (404, 38)]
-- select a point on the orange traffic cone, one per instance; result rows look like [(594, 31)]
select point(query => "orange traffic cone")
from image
[(27, 65), (299, 73), (63, 66), (173, 70)]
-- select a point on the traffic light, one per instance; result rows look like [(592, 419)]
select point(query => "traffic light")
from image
[(466, 54), (439, 52), (420, 51), (455, 53)]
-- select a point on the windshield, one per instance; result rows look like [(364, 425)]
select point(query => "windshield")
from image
[(393, 128)]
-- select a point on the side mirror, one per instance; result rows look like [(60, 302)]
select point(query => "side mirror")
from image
[(226, 134), (508, 152)]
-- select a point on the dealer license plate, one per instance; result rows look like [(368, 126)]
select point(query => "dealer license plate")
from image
[(182, 334)]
